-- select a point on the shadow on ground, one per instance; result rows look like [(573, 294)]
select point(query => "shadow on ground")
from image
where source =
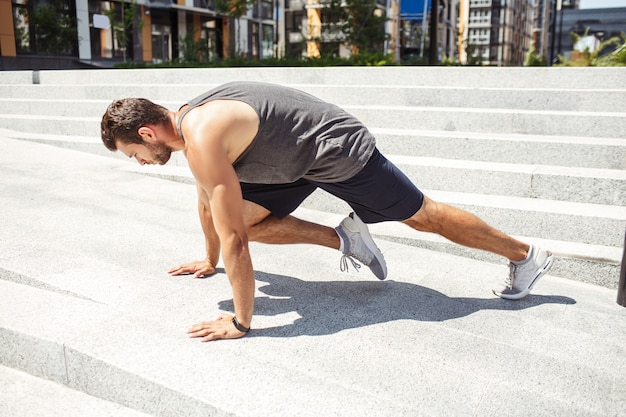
[(330, 307)]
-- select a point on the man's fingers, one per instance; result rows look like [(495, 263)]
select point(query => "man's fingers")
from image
[(198, 269), (214, 330), (178, 270)]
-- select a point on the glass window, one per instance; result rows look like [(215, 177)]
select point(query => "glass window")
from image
[(23, 35), (268, 41), (45, 27)]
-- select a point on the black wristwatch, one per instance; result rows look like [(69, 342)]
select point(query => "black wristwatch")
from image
[(239, 326)]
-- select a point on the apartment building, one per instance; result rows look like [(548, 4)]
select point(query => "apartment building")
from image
[(496, 33)]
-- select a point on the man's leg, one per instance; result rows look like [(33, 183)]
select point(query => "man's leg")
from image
[(263, 227), (355, 241), (465, 229), (527, 263)]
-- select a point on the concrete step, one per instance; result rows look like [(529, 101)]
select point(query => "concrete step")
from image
[(548, 182), (87, 302), (595, 264), (530, 122), (592, 224), (568, 151), (533, 78), (407, 95), (592, 124), (513, 148), (25, 395), (587, 225)]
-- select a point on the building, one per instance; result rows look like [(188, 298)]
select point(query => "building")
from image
[(495, 33), (542, 26), (600, 25), (415, 35), (161, 30), (317, 28)]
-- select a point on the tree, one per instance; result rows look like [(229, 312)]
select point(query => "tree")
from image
[(56, 32), (533, 59), (122, 23), (365, 26), (359, 23)]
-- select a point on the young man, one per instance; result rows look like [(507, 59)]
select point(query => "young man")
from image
[(257, 151)]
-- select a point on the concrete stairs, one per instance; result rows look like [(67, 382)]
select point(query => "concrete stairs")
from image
[(539, 153)]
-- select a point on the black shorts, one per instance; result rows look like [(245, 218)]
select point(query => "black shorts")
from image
[(379, 192)]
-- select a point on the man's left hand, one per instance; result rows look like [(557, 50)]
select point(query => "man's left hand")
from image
[(222, 328)]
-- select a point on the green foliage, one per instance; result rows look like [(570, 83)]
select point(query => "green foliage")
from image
[(233, 8), (56, 32), (355, 60), (122, 23), (533, 59), (587, 58), (193, 51), (617, 57), (449, 62), (358, 23), (365, 26), (474, 55)]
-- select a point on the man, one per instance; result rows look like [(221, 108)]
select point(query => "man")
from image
[(257, 151)]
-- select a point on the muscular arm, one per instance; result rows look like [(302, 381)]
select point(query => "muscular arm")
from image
[(211, 134), (212, 242)]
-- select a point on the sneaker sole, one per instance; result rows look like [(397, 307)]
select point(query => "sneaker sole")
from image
[(371, 245), (541, 272)]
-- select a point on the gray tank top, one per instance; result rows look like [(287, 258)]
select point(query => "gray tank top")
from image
[(300, 136)]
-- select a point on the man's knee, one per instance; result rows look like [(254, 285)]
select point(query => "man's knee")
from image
[(428, 218)]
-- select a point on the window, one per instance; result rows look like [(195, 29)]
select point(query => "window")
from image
[(24, 41), (268, 41), (45, 27)]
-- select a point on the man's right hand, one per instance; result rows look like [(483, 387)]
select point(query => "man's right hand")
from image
[(199, 269)]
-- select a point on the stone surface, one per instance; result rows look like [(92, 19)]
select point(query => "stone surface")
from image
[(85, 244)]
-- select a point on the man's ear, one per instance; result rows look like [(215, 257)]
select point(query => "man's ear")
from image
[(147, 134)]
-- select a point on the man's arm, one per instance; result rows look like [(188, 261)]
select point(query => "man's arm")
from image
[(212, 242), (211, 133)]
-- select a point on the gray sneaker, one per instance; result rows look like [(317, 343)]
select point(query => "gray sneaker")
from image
[(356, 243), (523, 275)]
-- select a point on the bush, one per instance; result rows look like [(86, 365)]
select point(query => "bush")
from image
[(363, 59)]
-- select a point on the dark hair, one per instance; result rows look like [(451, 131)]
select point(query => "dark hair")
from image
[(124, 117)]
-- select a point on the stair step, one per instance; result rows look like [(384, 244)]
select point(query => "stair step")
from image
[(533, 78), (572, 151), (592, 224), (595, 124), (407, 95), (601, 186), (594, 264)]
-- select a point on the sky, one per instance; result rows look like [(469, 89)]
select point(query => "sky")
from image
[(601, 4)]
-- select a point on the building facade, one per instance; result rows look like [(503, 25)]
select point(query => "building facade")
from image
[(160, 30), (599, 24), (496, 32)]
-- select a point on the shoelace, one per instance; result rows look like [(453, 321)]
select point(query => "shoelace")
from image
[(511, 278), (343, 263)]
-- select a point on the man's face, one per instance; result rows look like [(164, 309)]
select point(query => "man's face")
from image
[(146, 153)]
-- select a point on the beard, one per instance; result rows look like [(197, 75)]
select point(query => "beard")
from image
[(161, 153)]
